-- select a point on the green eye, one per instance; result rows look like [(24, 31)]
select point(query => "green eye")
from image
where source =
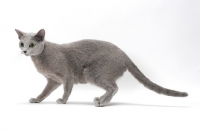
[(32, 45), (21, 44)]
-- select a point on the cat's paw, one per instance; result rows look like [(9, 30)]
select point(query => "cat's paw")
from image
[(60, 101), (34, 100), (98, 102)]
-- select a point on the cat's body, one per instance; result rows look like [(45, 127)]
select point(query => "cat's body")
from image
[(94, 61)]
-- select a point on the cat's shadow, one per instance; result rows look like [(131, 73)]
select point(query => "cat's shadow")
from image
[(145, 105), (110, 104)]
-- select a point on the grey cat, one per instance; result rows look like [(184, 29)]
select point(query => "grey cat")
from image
[(94, 61)]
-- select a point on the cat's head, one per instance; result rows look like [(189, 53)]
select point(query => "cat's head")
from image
[(31, 44)]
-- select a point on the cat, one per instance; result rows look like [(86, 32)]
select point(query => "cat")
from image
[(94, 61)]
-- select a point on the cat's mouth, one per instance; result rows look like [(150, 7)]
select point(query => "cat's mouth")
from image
[(26, 54)]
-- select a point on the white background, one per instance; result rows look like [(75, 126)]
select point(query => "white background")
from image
[(160, 36)]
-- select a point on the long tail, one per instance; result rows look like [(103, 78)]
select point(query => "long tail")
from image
[(150, 85)]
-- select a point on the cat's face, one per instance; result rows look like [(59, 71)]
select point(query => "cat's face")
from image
[(31, 43)]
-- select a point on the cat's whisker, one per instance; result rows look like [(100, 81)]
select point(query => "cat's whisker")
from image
[(17, 57)]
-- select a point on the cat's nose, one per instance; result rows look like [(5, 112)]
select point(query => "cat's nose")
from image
[(25, 52)]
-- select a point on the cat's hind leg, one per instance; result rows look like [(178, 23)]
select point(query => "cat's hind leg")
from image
[(111, 90)]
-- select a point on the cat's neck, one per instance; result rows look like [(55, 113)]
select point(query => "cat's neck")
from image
[(41, 52), (42, 49)]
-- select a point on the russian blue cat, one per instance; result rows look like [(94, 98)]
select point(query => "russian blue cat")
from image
[(93, 61)]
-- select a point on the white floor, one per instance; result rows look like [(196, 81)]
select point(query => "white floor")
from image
[(133, 110)]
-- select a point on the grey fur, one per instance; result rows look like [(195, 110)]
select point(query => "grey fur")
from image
[(94, 61)]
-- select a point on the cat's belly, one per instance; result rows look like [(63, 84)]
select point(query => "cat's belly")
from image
[(53, 77)]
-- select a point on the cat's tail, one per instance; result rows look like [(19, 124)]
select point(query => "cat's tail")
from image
[(149, 84)]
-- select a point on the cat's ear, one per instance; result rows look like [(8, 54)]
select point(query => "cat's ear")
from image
[(20, 33), (40, 35)]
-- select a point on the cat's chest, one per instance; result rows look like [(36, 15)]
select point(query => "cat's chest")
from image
[(47, 70), (40, 66)]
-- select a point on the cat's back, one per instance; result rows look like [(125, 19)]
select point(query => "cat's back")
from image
[(89, 42), (91, 47)]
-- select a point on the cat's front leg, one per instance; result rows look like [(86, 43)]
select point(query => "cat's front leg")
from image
[(50, 87), (68, 85)]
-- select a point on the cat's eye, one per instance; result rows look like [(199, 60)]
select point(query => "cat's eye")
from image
[(21, 44), (32, 45)]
